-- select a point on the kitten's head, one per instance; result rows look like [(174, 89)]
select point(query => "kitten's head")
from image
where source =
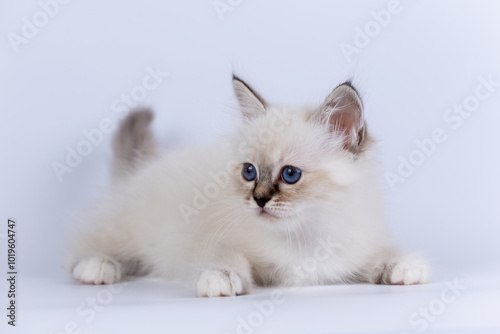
[(293, 160)]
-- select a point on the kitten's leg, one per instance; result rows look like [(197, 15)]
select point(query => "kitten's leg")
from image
[(97, 257), (228, 275), (91, 258), (97, 270), (390, 267)]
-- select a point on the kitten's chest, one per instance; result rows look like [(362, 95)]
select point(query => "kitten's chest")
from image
[(321, 260)]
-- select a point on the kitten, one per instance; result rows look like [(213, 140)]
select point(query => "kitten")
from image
[(291, 199)]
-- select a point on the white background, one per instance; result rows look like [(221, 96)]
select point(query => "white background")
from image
[(428, 58)]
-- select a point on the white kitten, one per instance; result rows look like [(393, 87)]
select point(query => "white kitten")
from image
[(291, 199)]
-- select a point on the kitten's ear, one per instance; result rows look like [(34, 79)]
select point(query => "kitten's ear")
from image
[(343, 111), (252, 105)]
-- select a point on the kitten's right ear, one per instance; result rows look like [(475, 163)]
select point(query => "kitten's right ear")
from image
[(252, 105), (343, 112)]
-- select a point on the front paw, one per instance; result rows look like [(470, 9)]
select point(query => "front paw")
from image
[(403, 270), (97, 270), (221, 283)]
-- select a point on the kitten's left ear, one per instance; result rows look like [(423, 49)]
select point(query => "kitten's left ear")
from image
[(343, 112), (252, 105)]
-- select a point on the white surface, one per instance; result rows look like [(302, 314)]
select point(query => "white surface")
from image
[(156, 306), (427, 59)]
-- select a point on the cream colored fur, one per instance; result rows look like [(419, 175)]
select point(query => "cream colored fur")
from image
[(189, 215)]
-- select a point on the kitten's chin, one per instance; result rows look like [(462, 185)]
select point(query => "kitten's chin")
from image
[(275, 221), (268, 215)]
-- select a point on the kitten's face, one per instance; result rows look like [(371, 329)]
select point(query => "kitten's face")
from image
[(288, 163), (285, 166)]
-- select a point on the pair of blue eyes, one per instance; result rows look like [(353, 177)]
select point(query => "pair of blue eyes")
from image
[(289, 174)]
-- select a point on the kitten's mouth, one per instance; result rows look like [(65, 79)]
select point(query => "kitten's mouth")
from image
[(262, 212)]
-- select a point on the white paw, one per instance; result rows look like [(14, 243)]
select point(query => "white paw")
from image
[(97, 270), (220, 283), (406, 270)]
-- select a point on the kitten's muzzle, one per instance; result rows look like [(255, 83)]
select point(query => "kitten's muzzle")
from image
[(261, 201)]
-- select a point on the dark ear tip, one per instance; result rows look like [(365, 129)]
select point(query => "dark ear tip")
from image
[(349, 84), (236, 77)]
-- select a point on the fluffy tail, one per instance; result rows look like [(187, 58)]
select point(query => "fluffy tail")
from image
[(133, 144)]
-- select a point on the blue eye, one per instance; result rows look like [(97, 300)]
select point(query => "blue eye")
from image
[(249, 172), (291, 174)]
